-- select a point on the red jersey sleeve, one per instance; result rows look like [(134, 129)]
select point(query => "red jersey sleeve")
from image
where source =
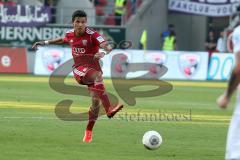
[(66, 38), (98, 39)]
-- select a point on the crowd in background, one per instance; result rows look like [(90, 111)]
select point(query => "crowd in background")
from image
[(117, 13), (9, 2), (214, 42), (168, 39)]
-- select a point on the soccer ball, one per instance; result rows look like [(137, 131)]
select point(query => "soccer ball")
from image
[(152, 140)]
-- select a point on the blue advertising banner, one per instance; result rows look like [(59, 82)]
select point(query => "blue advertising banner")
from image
[(220, 66), (24, 16)]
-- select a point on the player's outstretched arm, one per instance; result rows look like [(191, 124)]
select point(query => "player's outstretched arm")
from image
[(235, 77), (52, 41), (107, 48)]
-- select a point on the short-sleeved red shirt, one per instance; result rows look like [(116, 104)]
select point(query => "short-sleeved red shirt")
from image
[(85, 47)]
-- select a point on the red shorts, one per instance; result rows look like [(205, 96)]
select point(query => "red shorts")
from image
[(85, 75)]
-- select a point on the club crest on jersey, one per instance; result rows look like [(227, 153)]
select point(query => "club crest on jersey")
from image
[(84, 42), (189, 64)]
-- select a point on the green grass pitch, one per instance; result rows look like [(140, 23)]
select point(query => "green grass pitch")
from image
[(29, 128)]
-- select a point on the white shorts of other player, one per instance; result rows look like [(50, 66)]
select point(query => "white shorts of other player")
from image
[(233, 138)]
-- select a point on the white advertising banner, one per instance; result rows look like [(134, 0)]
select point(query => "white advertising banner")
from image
[(49, 58), (133, 63), (180, 65), (187, 65)]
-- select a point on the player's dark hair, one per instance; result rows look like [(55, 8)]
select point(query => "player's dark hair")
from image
[(78, 13)]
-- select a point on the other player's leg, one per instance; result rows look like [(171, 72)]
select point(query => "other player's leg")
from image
[(233, 138)]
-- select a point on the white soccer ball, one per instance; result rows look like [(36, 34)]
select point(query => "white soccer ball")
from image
[(152, 140)]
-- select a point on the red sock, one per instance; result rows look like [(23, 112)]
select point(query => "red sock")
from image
[(100, 90), (92, 117)]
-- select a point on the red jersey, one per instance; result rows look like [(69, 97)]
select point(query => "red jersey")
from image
[(85, 47)]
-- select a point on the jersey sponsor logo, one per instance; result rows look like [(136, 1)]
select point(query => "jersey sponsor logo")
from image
[(78, 50), (100, 39)]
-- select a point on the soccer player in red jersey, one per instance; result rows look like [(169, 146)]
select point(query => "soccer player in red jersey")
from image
[(85, 44)]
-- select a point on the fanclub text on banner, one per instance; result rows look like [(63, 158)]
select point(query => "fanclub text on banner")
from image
[(203, 8), (24, 16)]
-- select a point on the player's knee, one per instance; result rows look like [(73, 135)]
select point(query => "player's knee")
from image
[(97, 77)]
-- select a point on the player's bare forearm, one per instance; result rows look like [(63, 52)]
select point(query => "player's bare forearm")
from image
[(235, 77), (107, 47), (233, 82), (56, 41), (52, 41)]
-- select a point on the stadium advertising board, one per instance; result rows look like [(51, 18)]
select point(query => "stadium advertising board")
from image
[(19, 15), (180, 65), (25, 36), (220, 66), (49, 58), (214, 8), (134, 63), (187, 65), (13, 60)]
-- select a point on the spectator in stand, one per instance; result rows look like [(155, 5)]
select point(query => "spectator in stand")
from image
[(119, 10), (220, 43), (166, 33), (170, 42), (211, 43)]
